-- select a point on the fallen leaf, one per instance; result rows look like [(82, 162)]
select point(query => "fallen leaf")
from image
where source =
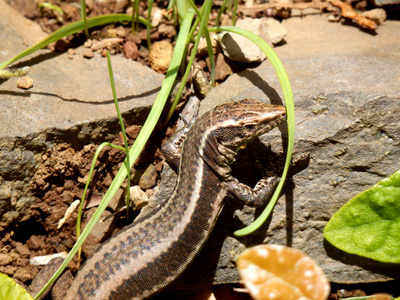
[(281, 273)]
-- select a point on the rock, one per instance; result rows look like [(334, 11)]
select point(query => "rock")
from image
[(223, 67), (101, 232), (25, 83), (167, 30), (22, 249), (5, 259), (87, 53), (241, 49), (377, 14), (138, 197), (160, 56), (35, 242), (23, 274), (132, 131), (131, 50), (9, 270), (59, 107), (345, 120), (148, 178)]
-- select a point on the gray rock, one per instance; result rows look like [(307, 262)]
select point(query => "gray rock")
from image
[(241, 49), (347, 118), (71, 102)]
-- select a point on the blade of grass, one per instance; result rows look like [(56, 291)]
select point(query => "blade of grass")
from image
[(149, 25), (203, 26), (288, 96), (84, 18), (141, 140), (71, 29), (121, 122)]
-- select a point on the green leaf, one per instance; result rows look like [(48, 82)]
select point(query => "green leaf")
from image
[(10, 290), (369, 224)]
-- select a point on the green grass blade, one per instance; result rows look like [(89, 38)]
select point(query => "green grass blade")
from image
[(84, 18), (121, 123), (288, 96), (203, 27), (140, 142), (71, 29)]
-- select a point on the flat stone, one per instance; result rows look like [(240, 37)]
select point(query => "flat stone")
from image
[(346, 91), (66, 92), (239, 48), (71, 101)]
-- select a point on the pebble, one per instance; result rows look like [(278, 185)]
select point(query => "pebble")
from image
[(241, 49), (9, 270), (87, 53), (23, 275), (35, 242), (22, 249), (160, 56), (131, 50), (378, 15), (5, 259), (149, 178), (138, 197), (25, 83), (132, 131)]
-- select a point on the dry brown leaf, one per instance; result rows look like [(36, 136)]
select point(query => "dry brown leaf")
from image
[(281, 273)]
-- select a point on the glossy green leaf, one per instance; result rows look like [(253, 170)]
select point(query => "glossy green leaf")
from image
[(11, 290), (369, 224)]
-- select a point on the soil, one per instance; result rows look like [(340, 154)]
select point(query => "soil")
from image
[(62, 176)]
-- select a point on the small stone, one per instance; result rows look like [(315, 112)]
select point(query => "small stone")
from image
[(35, 242), (167, 30), (25, 83), (71, 53), (377, 14), (202, 50), (87, 53), (131, 50), (160, 56), (22, 249), (132, 131), (5, 259), (138, 197), (61, 45), (223, 67), (23, 275), (149, 178), (88, 43), (120, 6), (9, 270), (99, 233), (241, 49)]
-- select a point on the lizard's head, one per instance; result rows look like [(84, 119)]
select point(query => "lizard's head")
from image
[(238, 122)]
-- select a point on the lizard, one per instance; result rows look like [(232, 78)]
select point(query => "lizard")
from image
[(148, 255)]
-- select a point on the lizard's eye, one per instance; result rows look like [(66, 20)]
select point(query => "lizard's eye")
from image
[(250, 127)]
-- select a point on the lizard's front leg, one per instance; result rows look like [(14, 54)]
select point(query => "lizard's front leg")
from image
[(252, 197)]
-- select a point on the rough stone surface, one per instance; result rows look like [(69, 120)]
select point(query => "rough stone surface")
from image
[(70, 102), (241, 49), (5, 259), (346, 87)]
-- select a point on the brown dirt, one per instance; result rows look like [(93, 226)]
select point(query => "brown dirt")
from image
[(57, 183)]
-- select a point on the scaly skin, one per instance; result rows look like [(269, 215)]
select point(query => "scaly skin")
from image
[(155, 249)]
